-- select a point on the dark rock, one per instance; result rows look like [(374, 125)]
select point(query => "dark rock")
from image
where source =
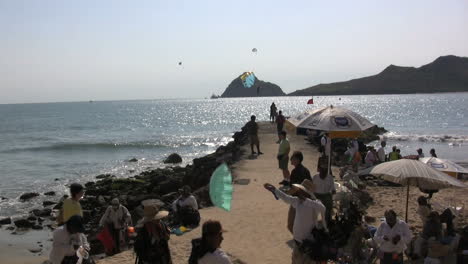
[(10, 228), (23, 223), (3, 198), (51, 193), (42, 212), (5, 221), (47, 203), (103, 176), (170, 197), (37, 227), (32, 218), (133, 160), (56, 179), (27, 196), (35, 250), (173, 158)]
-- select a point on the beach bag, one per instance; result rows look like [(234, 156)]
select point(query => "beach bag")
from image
[(106, 239)]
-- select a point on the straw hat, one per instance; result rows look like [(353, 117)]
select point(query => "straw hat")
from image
[(307, 186), (152, 212)]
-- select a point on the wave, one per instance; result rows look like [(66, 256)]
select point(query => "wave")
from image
[(451, 139), (90, 146)]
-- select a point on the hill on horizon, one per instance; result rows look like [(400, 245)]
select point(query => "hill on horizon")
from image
[(260, 88), (445, 74)]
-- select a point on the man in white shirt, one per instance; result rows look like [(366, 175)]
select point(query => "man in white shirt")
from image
[(326, 144), (324, 190), (392, 236), (381, 151), (212, 236), (186, 207), (308, 212)]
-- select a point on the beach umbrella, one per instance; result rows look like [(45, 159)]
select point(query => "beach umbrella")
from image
[(415, 173), (221, 187), (446, 166), (337, 121)]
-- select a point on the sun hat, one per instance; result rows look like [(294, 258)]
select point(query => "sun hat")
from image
[(307, 186), (152, 212)]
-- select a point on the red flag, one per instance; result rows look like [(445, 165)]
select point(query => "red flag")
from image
[(106, 239), (311, 101)]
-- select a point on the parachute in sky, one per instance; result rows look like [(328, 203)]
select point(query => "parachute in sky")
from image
[(254, 50), (221, 187), (248, 79), (180, 63)]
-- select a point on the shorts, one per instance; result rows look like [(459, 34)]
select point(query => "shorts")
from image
[(254, 139), (283, 163)]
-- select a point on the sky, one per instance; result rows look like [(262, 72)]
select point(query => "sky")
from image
[(56, 51)]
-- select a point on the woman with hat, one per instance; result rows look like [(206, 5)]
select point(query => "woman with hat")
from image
[(151, 244), (67, 239), (116, 219)]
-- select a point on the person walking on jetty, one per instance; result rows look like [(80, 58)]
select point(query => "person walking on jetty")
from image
[(273, 110), (381, 152), (186, 208), (71, 206), (252, 130), (324, 190), (392, 236), (433, 153), (152, 241), (298, 175), (283, 156), (280, 119), (207, 249), (307, 215), (116, 219), (67, 239)]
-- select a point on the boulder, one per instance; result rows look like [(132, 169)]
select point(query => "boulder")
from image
[(173, 159), (47, 203), (133, 160), (27, 196), (5, 221), (37, 227), (51, 193), (23, 223), (42, 212)]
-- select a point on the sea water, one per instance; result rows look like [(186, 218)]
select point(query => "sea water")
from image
[(44, 147)]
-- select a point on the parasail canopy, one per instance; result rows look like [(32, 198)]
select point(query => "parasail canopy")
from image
[(221, 187), (248, 79)]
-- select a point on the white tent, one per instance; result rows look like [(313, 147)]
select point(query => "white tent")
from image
[(447, 166)]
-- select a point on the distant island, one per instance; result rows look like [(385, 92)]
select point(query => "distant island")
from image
[(259, 88), (445, 74)]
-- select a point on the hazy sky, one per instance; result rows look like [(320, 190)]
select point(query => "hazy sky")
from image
[(117, 50)]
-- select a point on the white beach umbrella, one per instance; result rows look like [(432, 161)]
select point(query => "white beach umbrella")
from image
[(413, 172), (447, 166)]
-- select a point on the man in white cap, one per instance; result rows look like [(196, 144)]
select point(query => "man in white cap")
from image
[(116, 219), (152, 241), (307, 215)]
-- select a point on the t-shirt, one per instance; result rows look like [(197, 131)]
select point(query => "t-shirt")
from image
[(381, 154), (326, 143), (217, 257), (252, 127), (283, 147), (70, 208), (323, 186), (299, 173), (280, 119)]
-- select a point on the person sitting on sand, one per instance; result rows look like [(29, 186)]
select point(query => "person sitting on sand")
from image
[(393, 155), (272, 112), (186, 208), (252, 130), (420, 153), (283, 156), (151, 243), (381, 152), (371, 157), (71, 206), (433, 154), (423, 209), (298, 175), (67, 239), (116, 219), (324, 190), (207, 249), (392, 236), (308, 214)]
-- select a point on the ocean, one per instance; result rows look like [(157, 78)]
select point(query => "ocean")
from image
[(44, 147)]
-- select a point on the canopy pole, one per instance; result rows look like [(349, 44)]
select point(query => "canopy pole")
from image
[(407, 199)]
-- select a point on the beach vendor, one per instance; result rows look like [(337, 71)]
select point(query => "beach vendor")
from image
[(207, 249), (309, 212), (324, 190), (186, 208), (151, 243), (71, 206), (392, 236), (67, 240), (116, 219), (283, 157), (252, 130), (298, 175)]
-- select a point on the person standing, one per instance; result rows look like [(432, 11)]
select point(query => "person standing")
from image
[(273, 112), (116, 219), (280, 119), (283, 157), (307, 214), (208, 249), (71, 206), (324, 190), (298, 175), (325, 142), (67, 239), (381, 152), (420, 153), (371, 157), (393, 155), (252, 130), (433, 154), (392, 236)]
